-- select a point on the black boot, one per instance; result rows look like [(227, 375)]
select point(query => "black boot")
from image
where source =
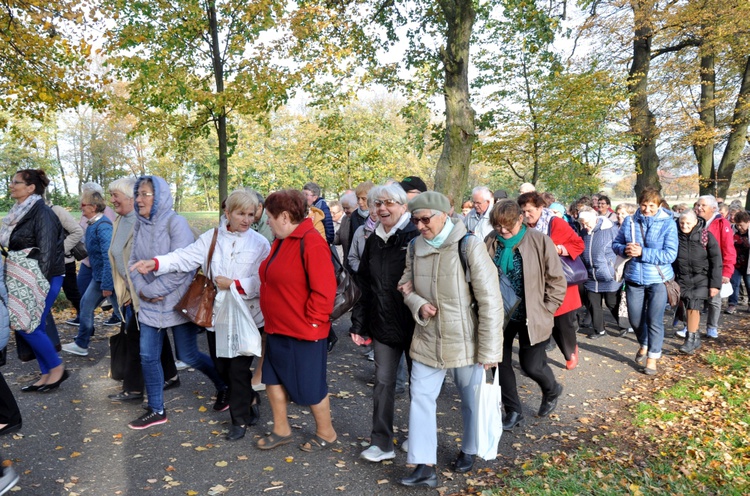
[(687, 345), (423, 475)]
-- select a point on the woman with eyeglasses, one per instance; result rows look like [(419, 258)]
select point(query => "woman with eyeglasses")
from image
[(458, 329), (159, 230), (32, 224), (390, 324), (529, 259)]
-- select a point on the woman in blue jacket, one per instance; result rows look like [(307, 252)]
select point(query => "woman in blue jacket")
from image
[(598, 233), (652, 251)]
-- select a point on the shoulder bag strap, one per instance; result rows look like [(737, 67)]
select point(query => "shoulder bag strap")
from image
[(663, 279), (211, 253)]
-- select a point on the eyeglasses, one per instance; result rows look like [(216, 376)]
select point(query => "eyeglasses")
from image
[(143, 194), (388, 202), (423, 220), (85, 205)]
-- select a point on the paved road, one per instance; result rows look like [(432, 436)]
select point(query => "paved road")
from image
[(75, 441)]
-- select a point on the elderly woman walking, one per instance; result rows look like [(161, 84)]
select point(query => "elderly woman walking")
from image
[(390, 324), (449, 335), (158, 231)]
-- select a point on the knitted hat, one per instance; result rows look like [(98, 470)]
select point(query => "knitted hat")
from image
[(557, 207), (430, 200), (413, 182)]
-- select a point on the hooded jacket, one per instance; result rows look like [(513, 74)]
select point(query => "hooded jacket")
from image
[(599, 258), (456, 336), (163, 232), (697, 267), (722, 231), (659, 247), (381, 305)]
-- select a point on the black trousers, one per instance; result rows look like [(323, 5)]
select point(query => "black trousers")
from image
[(9, 412), (564, 332), (593, 303), (70, 286), (533, 360), (133, 380), (387, 360), (236, 372)]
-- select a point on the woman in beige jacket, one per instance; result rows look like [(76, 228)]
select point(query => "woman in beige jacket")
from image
[(529, 259), (458, 328)]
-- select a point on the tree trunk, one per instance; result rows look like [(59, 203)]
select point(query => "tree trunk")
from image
[(642, 120), (452, 174), (705, 142), (220, 114), (59, 162), (737, 136)]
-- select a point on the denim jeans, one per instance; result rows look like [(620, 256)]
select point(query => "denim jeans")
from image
[(90, 300), (737, 276), (84, 279), (186, 344), (646, 305)]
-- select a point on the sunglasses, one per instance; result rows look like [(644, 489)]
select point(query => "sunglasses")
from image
[(423, 220), (388, 203)]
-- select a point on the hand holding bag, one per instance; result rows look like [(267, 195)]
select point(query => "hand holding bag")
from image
[(488, 417), (197, 304), (236, 332)]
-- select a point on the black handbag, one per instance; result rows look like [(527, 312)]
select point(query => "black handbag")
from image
[(79, 251), (510, 298), (118, 354)]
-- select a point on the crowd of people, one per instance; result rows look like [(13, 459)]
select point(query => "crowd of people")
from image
[(429, 277)]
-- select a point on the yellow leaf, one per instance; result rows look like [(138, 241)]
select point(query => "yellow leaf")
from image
[(75, 454), (221, 464), (268, 469), (289, 459), (202, 409), (191, 493)]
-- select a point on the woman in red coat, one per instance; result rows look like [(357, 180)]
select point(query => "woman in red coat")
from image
[(297, 292), (567, 242)]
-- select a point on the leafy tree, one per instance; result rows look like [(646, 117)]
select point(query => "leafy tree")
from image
[(44, 55)]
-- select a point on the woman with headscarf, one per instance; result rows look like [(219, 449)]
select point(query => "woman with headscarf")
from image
[(30, 223), (450, 335)]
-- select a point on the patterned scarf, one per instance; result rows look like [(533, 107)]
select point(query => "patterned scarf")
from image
[(542, 225), (17, 212)]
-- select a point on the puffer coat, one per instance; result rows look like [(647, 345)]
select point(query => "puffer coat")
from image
[(163, 232), (456, 336), (659, 247), (599, 258), (41, 228), (697, 267)]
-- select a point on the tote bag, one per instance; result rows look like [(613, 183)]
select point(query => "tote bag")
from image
[(488, 417), (236, 332)]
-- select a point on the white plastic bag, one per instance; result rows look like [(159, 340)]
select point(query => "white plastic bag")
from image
[(489, 418), (236, 332)]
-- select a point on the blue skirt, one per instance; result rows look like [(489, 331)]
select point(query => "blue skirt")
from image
[(299, 366)]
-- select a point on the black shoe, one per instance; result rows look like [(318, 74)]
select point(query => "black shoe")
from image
[(236, 432), (621, 332), (598, 335), (31, 388), (332, 340), (511, 420), (422, 476), (11, 428), (74, 322), (255, 409), (463, 463), (172, 383), (549, 402), (222, 400), (126, 396), (551, 345), (51, 387)]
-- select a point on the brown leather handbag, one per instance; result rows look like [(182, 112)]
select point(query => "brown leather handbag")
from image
[(197, 304)]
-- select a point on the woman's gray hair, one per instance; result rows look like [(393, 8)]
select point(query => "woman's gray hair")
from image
[(588, 214), (689, 213), (349, 200), (91, 186), (392, 191), (124, 186), (94, 198)]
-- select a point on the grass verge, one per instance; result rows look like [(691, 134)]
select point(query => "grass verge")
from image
[(690, 437)]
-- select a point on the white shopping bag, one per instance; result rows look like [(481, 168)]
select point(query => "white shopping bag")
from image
[(489, 418), (236, 332)]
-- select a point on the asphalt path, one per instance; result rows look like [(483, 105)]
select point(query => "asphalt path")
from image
[(76, 441)]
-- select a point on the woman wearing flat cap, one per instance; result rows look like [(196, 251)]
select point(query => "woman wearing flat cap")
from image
[(455, 330)]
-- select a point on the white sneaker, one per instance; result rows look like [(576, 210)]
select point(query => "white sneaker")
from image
[(375, 454), (681, 332), (8, 479), (405, 446), (259, 387), (75, 349), (181, 365)]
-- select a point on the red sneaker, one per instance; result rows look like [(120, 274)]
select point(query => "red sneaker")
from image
[(573, 362)]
